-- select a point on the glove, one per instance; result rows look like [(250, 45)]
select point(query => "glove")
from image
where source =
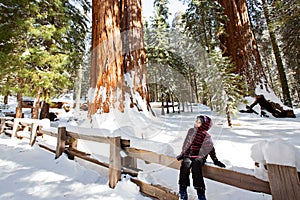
[(180, 157), (219, 163)]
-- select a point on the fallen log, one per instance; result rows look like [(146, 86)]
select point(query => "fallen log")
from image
[(275, 109)]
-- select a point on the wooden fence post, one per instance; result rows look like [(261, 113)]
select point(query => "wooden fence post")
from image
[(33, 133), (61, 141), (15, 128), (72, 142), (284, 182), (114, 161), (2, 124)]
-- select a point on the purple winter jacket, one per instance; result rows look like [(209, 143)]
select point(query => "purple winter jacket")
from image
[(198, 142)]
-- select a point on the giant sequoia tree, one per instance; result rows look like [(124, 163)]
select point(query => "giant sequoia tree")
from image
[(118, 58), (239, 42)]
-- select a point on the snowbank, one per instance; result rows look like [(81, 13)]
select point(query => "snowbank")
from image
[(276, 152)]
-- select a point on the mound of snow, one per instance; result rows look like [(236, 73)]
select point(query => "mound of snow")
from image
[(276, 152)]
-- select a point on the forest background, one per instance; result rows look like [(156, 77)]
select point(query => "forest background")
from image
[(45, 51)]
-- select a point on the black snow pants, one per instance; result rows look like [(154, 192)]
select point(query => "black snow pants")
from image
[(184, 174)]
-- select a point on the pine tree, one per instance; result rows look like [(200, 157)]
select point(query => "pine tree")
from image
[(284, 84), (43, 45), (157, 47), (203, 22), (12, 46), (181, 63), (286, 16), (228, 86)]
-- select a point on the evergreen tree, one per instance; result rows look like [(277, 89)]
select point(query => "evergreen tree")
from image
[(13, 21), (157, 48), (170, 61), (43, 45), (228, 87), (182, 47), (203, 22), (286, 16), (185, 58), (281, 71)]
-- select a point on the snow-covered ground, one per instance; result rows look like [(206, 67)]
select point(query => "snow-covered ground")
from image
[(33, 173)]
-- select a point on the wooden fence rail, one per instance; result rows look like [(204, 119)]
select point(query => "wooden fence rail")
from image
[(283, 181), (233, 178), (67, 142)]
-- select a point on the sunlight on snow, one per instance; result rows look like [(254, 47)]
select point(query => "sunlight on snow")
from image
[(245, 133), (45, 177), (8, 167)]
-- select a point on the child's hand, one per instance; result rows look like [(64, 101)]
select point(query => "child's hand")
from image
[(180, 157), (219, 163)]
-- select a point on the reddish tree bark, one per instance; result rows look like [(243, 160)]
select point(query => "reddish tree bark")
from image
[(133, 47), (19, 113), (239, 42), (106, 69), (36, 105), (118, 55), (45, 107)]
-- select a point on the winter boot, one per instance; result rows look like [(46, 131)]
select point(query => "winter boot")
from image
[(183, 192), (201, 194)]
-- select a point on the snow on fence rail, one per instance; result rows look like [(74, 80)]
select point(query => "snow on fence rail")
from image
[(283, 180), (11, 126)]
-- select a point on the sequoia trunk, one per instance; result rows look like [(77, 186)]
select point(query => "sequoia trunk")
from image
[(36, 105), (118, 56), (133, 50), (107, 69), (239, 42)]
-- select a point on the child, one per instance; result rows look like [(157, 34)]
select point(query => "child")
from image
[(196, 147)]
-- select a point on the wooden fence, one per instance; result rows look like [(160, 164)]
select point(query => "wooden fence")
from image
[(283, 180), (11, 126)]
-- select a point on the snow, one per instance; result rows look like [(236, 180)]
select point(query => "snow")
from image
[(276, 151), (65, 98), (33, 173)]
